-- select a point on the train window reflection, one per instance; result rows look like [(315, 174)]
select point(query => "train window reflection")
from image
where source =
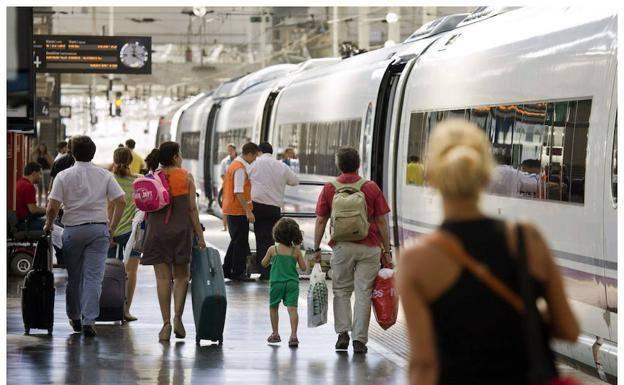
[(540, 148), (315, 143), (237, 136)]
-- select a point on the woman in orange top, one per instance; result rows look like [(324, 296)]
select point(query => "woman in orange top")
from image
[(167, 246)]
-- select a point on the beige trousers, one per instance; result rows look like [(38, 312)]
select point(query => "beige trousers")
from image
[(354, 268)]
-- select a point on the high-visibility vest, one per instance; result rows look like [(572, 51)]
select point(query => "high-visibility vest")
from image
[(231, 205)]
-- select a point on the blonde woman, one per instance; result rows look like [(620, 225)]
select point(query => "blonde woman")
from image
[(460, 330)]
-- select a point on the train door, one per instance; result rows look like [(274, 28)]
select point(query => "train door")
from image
[(380, 157), (209, 148), (267, 112), (379, 161)]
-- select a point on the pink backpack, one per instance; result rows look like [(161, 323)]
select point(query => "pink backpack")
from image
[(151, 193)]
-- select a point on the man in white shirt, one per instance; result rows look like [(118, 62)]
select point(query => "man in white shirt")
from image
[(84, 191), (269, 178), (225, 163)]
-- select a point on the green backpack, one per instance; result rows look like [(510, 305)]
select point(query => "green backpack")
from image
[(349, 214)]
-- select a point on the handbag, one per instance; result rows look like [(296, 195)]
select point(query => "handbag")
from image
[(139, 237), (540, 358)]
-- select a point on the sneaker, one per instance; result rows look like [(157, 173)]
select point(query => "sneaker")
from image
[(88, 331), (343, 342), (359, 347), (76, 324)]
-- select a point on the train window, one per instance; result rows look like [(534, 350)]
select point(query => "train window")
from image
[(237, 136), (540, 148), (414, 173), (316, 143), (614, 164), (189, 145)]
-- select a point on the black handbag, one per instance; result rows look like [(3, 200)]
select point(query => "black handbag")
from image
[(540, 358)]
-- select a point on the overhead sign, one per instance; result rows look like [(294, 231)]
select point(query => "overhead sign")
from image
[(93, 54)]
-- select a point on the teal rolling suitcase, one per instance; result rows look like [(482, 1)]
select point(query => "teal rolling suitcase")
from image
[(208, 295)]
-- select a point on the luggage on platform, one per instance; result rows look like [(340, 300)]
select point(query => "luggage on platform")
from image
[(113, 297), (208, 294), (38, 290)]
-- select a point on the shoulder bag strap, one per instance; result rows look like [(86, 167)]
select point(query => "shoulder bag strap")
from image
[(447, 242)]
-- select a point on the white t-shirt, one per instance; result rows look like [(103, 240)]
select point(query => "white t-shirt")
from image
[(84, 191), (240, 175), (508, 181), (225, 163), (269, 178)]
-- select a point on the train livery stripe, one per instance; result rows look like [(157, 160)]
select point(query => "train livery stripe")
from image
[(583, 259)]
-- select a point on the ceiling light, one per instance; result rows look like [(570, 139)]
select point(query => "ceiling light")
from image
[(392, 17)]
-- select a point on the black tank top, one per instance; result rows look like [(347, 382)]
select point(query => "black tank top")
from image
[(43, 162), (479, 336)]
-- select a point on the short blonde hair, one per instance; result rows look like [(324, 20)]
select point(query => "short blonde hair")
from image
[(459, 159)]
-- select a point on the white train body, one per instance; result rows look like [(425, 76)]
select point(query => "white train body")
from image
[(541, 82)]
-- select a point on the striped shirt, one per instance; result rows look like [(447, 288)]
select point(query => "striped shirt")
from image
[(125, 223)]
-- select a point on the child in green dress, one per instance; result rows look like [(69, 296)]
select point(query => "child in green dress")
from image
[(284, 279)]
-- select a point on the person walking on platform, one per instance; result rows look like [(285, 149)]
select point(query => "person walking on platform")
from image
[(225, 163), (122, 157), (84, 191), (41, 155), (62, 150), (238, 208), (269, 178), (354, 263), (62, 163), (466, 327), (283, 258), (29, 214), (169, 236), (138, 163)]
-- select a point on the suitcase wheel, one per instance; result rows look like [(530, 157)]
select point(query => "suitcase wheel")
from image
[(27, 331), (220, 341), (50, 331)]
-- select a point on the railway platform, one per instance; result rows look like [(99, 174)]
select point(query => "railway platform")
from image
[(131, 353)]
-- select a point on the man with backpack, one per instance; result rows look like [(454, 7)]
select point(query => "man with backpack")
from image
[(357, 209)]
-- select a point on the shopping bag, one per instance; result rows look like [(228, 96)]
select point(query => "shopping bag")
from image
[(385, 298), (139, 237), (317, 298)]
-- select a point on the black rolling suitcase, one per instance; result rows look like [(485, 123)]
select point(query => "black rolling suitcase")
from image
[(38, 290), (208, 295), (113, 297)]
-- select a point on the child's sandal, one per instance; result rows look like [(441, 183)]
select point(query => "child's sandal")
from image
[(274, 338)]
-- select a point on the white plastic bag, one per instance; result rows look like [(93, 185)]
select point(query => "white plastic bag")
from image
[(57, 236), (139, 216), (317, 298)]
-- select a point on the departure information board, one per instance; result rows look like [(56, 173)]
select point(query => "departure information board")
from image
[(93, 54)]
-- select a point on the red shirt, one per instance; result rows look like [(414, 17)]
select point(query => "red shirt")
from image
[(375, 204), (25, 194)]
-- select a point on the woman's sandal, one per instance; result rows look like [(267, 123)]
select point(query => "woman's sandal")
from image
[(293, 343), (165, 332), (274, 339)]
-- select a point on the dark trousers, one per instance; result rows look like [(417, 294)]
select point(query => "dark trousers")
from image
[(266, 217), (238, 250)]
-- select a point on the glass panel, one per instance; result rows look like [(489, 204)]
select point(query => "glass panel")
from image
[(415, 150), (505, 179), (528, 146), (578, 151)]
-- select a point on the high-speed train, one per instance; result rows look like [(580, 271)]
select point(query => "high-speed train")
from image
[(542, 84)]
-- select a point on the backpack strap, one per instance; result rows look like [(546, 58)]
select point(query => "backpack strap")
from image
[(453, 248), (355, 186)]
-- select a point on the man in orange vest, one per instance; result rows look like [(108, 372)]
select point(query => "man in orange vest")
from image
[(237, 206)]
